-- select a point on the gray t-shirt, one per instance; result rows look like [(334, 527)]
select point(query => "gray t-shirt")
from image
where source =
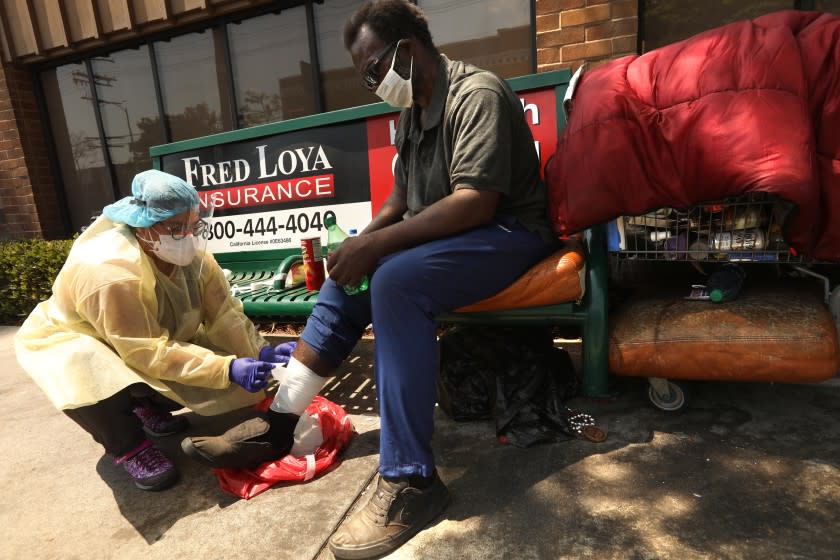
[(475, 137)]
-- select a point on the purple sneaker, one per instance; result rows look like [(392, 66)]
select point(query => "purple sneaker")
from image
[(149, 467), (160, 423)]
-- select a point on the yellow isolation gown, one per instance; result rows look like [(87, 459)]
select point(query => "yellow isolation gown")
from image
[(114, 320)]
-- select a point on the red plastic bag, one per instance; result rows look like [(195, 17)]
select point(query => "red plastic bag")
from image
[(337, 431)]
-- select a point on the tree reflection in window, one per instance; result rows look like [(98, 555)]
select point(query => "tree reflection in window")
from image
[(259, 107), (198, 116)]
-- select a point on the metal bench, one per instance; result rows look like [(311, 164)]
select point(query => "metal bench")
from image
[(252, 282)]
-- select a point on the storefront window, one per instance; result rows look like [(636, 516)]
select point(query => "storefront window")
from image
[(85, 176), (272, 68), (127, 103), (340, 82), (669, 21), (263, 63), (193, 80), (494, 35)]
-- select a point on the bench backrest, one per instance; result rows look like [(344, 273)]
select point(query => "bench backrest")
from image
[(273, 184)]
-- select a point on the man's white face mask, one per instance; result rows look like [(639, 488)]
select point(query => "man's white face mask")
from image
[(395, 90)]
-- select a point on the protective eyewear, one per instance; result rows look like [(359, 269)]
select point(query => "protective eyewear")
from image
[(371, 74), (180, 231)]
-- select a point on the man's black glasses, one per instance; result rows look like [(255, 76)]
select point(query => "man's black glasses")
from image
[(371, 75)]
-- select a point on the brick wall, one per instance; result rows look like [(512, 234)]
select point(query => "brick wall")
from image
[(28, 204), (570, 32)]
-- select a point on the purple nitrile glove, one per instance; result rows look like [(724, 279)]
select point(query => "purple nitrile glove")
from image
[(280, 354), (251, 374)]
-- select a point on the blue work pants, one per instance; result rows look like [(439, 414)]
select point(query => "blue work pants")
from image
[(407, 291)]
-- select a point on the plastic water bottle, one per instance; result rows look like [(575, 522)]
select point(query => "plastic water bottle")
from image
[(335, 236), (725, 284)]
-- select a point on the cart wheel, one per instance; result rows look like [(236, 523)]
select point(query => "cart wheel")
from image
[(665, 395)]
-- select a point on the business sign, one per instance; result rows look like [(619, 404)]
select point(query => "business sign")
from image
[(272, 191)]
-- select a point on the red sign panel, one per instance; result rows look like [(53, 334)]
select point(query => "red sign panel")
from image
[(262, 194)]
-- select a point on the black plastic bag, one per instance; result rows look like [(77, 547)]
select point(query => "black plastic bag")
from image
[(513, 374)]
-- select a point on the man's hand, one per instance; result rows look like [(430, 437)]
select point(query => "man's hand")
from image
[(462, 210), (355, 258)]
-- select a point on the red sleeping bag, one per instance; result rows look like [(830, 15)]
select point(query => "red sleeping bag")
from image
[(753, 106)]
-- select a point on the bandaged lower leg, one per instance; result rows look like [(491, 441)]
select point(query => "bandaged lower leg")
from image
[(298, 386)]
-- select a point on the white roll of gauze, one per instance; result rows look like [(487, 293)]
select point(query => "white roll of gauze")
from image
[(308, 436), (297, 388)]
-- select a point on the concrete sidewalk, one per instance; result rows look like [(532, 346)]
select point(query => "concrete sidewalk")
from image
[(744, 471)]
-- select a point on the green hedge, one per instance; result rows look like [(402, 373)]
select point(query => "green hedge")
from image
[(28, 268)]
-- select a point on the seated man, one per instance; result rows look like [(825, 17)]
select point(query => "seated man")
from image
[(466, 217)]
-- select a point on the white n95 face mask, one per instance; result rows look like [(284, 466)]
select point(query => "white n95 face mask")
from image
[(176, 251), (395, 90), (180, 252)]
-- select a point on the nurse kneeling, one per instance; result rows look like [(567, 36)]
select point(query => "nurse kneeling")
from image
[(140, 323)]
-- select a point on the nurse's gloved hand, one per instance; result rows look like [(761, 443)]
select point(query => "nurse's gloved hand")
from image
[(280, 354), (251, 374)]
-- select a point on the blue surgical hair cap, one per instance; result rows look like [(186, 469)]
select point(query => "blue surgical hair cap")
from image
[(155, 196)]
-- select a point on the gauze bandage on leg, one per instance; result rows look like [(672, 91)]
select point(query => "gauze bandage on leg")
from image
[(298, 386)]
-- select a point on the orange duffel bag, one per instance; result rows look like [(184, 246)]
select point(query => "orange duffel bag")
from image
[(557, 278), (767, 334)]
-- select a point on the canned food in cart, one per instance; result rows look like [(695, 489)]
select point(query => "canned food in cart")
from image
[(739, 240)]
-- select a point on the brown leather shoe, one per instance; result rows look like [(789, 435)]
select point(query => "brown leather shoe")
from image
[(244, 446), (395, 512)]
